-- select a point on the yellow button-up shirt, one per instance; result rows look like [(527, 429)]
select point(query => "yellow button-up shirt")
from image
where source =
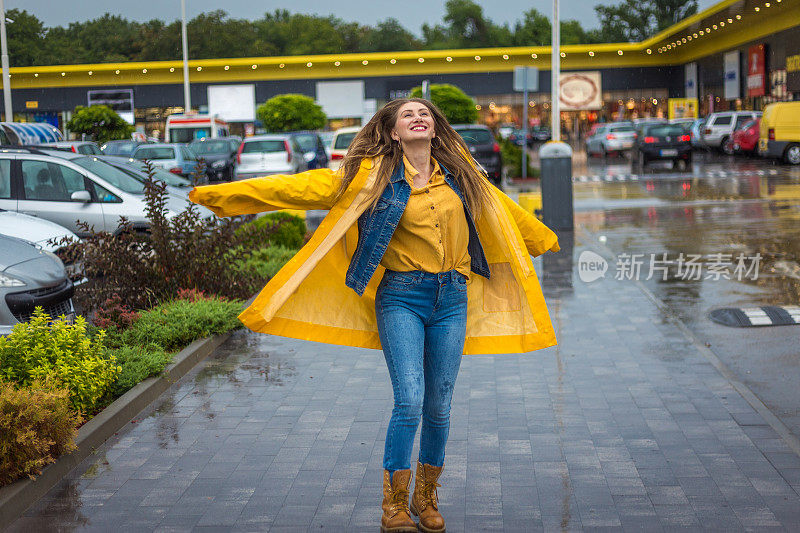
[(432, 234)]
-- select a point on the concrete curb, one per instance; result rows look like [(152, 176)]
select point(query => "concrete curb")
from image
[(17, 497)]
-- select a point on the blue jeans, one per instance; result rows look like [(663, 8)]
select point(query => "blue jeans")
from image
[(422, 323)]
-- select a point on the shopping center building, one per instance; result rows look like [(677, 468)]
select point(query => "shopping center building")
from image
[(735, 54)]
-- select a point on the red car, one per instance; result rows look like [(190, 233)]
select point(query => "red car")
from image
[(745, 139)]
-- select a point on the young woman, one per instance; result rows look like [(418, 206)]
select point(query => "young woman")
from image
[(420, 256)]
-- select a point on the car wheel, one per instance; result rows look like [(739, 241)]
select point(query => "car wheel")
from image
[(728, 146), (792, 154)]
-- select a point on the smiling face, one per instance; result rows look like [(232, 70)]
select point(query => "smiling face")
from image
[(414, 123)]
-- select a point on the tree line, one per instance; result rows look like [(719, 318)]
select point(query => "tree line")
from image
[(111, 38)]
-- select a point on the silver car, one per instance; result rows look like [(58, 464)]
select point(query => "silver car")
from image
[(614, 137), (63, 187), (31, 277), (720, 126), (269, 154)]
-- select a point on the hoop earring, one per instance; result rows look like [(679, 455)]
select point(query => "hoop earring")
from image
[(437, 141)]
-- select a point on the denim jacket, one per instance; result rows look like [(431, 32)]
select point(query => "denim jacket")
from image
[(376, 227)]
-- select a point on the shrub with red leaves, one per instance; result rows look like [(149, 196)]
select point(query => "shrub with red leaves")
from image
[(192, 295), (114, 313)]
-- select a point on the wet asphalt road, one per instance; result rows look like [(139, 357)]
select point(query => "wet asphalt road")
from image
[(740, 206)]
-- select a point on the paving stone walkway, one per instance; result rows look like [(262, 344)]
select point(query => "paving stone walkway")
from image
[(624, 425)]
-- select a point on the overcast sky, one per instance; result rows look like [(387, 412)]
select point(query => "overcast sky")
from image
[(411, 13)]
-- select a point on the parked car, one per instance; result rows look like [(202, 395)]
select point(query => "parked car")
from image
[(662, 141), (219, 157), (614, 137), (42, 233), (484, 149), (327, 140), (518, 138), (744, 140), (78, 147), (719, 127), (541, 133), (177, 158), (313, 148), (138, 169), (121, 148), (31, 277), (779, 136), (262, 155), (505, 130), (696, 131), (64, 187), (341, 142)]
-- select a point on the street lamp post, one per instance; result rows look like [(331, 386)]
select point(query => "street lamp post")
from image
[(187, 97), (4, 60), (555, 62)]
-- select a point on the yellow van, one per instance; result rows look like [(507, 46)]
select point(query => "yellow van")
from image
[(779, 136)]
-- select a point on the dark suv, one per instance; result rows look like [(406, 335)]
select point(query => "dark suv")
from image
[(483, 148)]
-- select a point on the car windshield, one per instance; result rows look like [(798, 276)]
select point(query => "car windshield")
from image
[(621, 128), (665, 130), (267, 146), (211, 147), (138, 169), (343, 140), (307, 142), (120, 148), (476, 136), (155, 152), (110, 174)]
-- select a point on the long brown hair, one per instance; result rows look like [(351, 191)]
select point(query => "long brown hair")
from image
[(375, 141)]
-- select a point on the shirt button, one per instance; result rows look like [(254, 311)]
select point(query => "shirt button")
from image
[(437, 225), (433, 207)]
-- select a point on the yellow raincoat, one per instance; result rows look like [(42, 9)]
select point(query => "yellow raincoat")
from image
[(307, 299)]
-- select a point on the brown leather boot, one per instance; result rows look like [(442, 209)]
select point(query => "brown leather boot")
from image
[(396, 518), (425, 501)]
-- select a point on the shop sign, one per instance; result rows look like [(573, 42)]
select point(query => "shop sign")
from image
[(580, 91), (731, 62), (32, 104), (793, 73), (755, 70), (690, 75), (682, 107)]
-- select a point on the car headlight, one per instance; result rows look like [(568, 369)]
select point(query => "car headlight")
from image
[(218, 164), (10, 281)]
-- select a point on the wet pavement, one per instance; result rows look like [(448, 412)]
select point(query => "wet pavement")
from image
[(625, 424)]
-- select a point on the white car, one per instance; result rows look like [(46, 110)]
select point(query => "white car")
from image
[(262, 155), (33, 229), (340, 143), (720, 126), (64, 187)]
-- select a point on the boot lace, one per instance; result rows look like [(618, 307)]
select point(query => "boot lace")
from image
[(429, 494), (398, 501)]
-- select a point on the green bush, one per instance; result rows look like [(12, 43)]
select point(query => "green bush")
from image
[(455, 104), (175, 324), (61, 353), (512, 159), (138, 363), (266, 261), (281, 229), (290, 112), (36, 426)]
